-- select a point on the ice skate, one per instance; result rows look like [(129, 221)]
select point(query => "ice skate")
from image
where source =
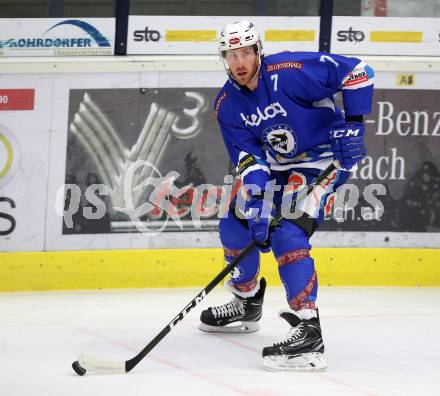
[(301, 351), (240, 315)]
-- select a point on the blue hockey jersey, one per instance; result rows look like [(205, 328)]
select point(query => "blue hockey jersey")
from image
[(285, 122)]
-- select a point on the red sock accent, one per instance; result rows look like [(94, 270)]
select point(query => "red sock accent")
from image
[(247, 286), (232, 252), (293, 256), (300, 301)]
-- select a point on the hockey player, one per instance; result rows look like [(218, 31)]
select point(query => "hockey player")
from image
[(281, 128)]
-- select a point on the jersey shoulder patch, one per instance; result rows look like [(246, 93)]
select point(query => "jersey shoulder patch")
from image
[(222, 97), (361, 76), (288, 60), (282, 61), (219, 101)]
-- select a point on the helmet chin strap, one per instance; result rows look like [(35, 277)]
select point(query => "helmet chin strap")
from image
[(257, 71)]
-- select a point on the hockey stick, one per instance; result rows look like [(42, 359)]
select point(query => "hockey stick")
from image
[(99, 366)]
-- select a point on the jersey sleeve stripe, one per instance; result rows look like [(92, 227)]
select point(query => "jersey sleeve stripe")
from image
[(255, 168)]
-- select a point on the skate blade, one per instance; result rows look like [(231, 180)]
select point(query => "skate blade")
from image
[(243, 327), (313, 361)]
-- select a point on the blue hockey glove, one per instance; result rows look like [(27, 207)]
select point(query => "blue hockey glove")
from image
[(348, 144), (259, 215)]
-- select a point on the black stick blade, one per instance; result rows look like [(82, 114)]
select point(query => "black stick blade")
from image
[(77, 368)]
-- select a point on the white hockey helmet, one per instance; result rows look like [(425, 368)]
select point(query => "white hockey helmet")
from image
[(237, 35)]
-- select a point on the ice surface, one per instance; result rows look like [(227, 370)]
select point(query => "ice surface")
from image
[(379, 341)]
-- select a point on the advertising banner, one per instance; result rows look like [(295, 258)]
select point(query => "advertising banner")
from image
[(24, 161), (56, 36), (17, 99), (385, 36), (112, 160), (399, 8), (402, 166), (164, 140), (168, 170), (188, 35)]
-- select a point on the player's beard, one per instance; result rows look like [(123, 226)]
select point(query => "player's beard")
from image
[(242, 76), (249, 75)]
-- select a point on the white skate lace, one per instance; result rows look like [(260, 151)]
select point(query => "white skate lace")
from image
[(234, 307), (293, 334)]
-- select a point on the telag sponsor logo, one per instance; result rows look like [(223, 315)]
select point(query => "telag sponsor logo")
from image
[(269, 112), (350, 35)]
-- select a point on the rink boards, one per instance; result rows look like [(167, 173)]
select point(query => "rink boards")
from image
[(197, 267), (52, 111)]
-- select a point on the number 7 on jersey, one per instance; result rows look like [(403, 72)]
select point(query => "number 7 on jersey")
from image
[(274, 78)]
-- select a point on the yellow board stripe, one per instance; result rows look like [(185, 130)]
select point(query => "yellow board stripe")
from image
[(289, 35), (396, 37), (191, 35), (96, 269)]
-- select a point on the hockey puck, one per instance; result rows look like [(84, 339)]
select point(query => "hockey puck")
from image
[(77, 368)]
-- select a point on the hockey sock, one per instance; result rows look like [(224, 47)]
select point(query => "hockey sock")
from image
[(244, 275), (297, 272)]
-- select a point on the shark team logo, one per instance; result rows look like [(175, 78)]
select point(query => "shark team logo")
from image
[(237, 273), (281, 139)]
